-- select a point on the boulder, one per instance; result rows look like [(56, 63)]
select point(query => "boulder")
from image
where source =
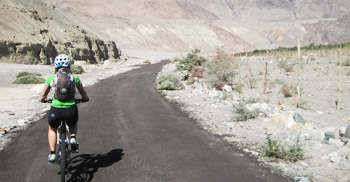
[(298, 118), (342, 131), (347, 132)]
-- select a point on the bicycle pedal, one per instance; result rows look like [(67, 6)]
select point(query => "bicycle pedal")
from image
[(75, 148)]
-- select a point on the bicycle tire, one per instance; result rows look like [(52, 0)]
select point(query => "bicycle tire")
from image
[(63, 156)]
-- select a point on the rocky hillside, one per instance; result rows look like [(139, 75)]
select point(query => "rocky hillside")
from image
[(35, 31), (182, 25)]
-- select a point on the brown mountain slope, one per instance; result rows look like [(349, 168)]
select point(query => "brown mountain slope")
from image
[(181, 25), (34, 31)]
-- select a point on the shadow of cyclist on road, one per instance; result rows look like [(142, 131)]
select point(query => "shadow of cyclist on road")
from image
[(83, 167)]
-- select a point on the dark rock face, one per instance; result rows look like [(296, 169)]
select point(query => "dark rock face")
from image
[(93, 51)]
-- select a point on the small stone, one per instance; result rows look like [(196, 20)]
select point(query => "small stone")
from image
[(304, 164), (335, 159), (283, 118), (329, 135), (22, 122), (107, 64), (280, 107), (347, 132), (290, 121), (227, 88), (342, 131), (298, 118)]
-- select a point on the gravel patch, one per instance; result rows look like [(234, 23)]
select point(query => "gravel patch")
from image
[(316, 126)]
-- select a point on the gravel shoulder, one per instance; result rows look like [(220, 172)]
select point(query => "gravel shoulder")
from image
[(326, 156)]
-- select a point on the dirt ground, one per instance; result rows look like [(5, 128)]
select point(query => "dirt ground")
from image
[(325, 159)]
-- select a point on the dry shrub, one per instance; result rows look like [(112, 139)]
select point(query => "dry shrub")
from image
[(220, 70), (197, 71), (288, 91)]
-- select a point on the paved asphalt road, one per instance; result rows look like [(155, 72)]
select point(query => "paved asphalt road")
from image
[(127, 132)]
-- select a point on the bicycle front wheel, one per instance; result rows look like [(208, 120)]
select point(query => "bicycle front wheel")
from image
[(63, 156)]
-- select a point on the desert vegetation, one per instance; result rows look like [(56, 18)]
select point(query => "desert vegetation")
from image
[(77, 69), (28, 78), (296, 98)]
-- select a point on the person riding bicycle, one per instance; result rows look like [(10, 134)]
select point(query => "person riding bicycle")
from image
[(62, 109)]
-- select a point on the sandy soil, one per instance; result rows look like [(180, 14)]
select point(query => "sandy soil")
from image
[(324, 160)]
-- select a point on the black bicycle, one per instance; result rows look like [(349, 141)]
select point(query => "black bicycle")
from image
[(63, 149)]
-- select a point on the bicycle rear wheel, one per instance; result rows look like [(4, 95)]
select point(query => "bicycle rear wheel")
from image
[(63, 156)]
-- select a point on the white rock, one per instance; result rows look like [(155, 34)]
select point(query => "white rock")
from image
[(80, 63), (304, 164), (22, 122), (227, 88), (335, 159), (283, 118), (107, 64), (290, 122), (342, 131)]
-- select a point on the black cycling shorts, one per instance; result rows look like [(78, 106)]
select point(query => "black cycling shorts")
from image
[(56, 115)]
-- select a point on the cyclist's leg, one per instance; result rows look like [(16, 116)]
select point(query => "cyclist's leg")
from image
[(73, 130), (52, 137), (54, 122), (72, 120)]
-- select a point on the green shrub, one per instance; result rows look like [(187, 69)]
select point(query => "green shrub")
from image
[(220, 71), (190, 81), (29, 79), (147, 62), (252, 100), (276, 150), (278, 81), (192, 59), (77, 69), (168, 82), (244, 114), (26, 74), (286, 65)]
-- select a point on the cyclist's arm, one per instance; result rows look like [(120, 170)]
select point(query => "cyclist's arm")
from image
[(83, 92), (44, 93)]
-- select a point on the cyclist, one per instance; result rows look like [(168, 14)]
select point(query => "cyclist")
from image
[(62, 109)]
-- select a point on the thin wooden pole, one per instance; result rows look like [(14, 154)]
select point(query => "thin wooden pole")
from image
[(249, 71), (265, 80), (298, 72), (339, 78)]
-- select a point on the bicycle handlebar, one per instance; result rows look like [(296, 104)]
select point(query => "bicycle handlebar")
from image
[(76, 101)]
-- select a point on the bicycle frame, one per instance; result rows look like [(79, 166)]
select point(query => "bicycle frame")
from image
[(63, 150)]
